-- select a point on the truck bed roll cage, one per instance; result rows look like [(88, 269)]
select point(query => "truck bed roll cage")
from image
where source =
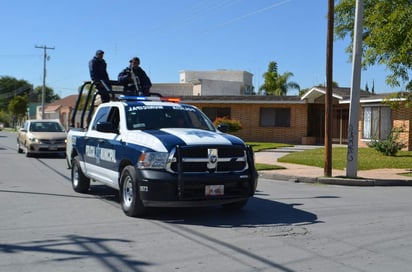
[(89, 103)]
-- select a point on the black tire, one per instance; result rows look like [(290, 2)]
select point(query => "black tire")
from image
[(235, 205), (130, 200), (19, 149), (26, 150), (80, 182)]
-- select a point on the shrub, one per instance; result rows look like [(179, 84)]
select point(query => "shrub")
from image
[(390, 146), (233, 125)]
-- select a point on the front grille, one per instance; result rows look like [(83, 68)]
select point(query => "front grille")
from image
[(54, 141), (211, 159)]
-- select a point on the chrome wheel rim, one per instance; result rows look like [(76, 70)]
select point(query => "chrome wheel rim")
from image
[(75, 176), (127, 192)]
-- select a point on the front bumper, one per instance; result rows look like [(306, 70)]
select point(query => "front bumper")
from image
[(164, 189), (46, 148)]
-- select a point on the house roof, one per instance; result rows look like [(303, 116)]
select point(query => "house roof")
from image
[(376, 98), (337, 92), (52, 108), (68, 101), (343, 95)]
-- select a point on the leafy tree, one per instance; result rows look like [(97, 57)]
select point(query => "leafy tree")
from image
[(276, 84), (49, 97), (10, 87), (18, 107), (387, 35), (5, 118)]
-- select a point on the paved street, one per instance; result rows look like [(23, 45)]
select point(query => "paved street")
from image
[(287, 226)]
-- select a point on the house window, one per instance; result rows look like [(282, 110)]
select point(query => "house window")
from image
[(214, 112), (377, 123), (275, 117)]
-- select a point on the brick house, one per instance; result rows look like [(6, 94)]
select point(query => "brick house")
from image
[(60, 109), (377, 119), (292, 119), (300, 120), (263, 118)]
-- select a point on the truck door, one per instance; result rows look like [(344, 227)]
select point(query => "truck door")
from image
[(101, 148)]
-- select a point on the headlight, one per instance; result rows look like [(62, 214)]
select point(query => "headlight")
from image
[(153, 160), (34, 140)]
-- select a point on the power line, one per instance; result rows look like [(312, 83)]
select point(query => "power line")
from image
[(15, 92)]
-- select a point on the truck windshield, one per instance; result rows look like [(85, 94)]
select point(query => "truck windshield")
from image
[(142, 117)]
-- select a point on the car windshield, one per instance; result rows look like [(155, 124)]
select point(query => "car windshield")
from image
[(46, 127), (159, 116)]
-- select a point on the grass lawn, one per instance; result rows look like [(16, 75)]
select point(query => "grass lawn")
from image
[(368, 158), (257, 146)]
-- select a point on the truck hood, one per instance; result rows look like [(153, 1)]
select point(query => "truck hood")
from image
[(164, 140)]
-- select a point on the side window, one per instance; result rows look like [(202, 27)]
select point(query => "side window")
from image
[(101, 116), (200, 120), (114, 117)]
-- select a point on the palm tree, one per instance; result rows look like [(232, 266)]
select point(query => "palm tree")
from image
[(276, 84)]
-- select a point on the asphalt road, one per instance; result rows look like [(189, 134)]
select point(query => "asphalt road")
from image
[(46, 226)]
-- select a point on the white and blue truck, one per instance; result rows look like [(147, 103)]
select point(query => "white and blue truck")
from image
[(157, 152)]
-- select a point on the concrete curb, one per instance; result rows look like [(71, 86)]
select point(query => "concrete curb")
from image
[(337, 180)]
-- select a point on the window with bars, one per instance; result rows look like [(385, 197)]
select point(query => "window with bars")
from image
[(377, 122)]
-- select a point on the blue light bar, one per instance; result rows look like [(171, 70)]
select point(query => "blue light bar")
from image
[(137, 98)]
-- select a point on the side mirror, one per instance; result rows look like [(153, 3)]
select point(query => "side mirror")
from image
[(223, 128), (106, 127), (22, 130)]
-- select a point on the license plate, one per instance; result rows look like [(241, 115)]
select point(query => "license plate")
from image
[(52, 147), (214, 190)]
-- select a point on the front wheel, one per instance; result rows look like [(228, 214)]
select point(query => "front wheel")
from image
[(129, 193), (19, 149), (26, 150), (80, 182)]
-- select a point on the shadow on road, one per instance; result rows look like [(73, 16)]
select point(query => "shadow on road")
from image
[(258, 212), (78, 248)]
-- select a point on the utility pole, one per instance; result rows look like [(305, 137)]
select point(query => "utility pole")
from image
[(352, 154), (328, 97), (43, 90)]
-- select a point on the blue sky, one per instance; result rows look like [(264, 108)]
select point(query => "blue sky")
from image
[(170, 36)]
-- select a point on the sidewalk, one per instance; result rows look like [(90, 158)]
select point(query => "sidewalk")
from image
[(304, 173)]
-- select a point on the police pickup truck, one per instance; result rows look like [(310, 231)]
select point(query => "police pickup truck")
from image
[(159, 153)]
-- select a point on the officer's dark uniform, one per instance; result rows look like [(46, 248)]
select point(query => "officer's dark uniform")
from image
[(98, 73)]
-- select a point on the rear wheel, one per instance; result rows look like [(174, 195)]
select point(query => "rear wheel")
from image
[(80, 182), (130, 200)]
